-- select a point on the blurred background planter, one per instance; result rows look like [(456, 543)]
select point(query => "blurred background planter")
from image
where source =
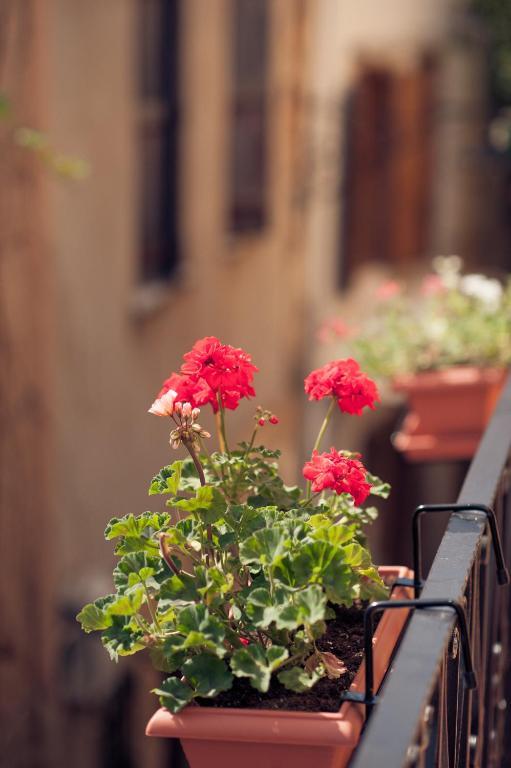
[(447, 411), (222, 737)]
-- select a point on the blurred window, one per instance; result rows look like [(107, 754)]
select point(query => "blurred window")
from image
[(248, 159), (158, 92), (387, 167)]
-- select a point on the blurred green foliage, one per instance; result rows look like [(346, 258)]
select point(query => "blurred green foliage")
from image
[(65, 166), (497, 17)]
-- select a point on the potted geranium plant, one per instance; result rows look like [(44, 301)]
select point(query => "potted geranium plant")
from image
[(445, 344), (244, 590)]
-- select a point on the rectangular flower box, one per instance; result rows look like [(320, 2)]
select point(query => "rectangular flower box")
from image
[(448, 411), (245, 738)]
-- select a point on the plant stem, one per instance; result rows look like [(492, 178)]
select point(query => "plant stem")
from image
[(220, 416), (211, 462), (322, 430), (198, 466), (221, 441), (150, 609), (251, 443), (319, 438), (309, 498), (165, 553)]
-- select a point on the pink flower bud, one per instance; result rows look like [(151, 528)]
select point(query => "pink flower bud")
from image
[(187, 410), (261, 422), (164, 405), (274, 419)]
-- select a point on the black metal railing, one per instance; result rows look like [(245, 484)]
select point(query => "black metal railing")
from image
[(425, 714)]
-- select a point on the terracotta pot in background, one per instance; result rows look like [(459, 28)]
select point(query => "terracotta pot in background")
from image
[(448, 411), (230, 738)]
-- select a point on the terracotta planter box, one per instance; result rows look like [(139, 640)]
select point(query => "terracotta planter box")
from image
[(229, 738), (448, 411)]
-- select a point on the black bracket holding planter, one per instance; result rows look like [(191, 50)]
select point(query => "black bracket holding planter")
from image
[(368, 697), (417, 582)]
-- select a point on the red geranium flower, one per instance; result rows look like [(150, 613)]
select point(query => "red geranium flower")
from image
[(339, 473), (188, 390), (343, 380), (211, 369)]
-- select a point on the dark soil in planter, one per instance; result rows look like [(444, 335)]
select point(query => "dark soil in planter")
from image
[(344, 637)]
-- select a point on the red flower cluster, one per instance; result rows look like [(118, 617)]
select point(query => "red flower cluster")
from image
[(343, 380), (211, 369), (336, 471)]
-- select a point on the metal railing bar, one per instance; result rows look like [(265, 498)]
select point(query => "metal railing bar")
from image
[(395, 721)]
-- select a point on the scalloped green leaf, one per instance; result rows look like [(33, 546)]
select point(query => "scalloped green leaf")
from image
[(265, 546), (208, 502), (308, 608), (167, 480), (200, 628), (127, 604), (131, 525), (258, 664), (207, 674), (173, 694), (298, 679), (128, 570), (94, 616), (179, 589), (378, 487), (122, 638)]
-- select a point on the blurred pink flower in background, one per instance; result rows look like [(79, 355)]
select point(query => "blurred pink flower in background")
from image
[(388, 290), (432, 285), (333, 328)]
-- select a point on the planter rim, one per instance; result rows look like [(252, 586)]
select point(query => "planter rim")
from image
[(461, 375), (276, 726)]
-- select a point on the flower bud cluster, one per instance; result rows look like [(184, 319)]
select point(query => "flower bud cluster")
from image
[(262, 415), (188, 429)]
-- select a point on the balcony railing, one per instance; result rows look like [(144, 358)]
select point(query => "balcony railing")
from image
[(425, 714)]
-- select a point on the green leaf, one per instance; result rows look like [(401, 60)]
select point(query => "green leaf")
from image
[(308, 607), (378, 487), (200, 629), (371, 585), (268, 453), (129, 525), (262, 609), (265, 546), (258, 664), (173, 694), (334, 534), (122, 638), (127, 604), (207, 674), (167, 480), (245, 519), (208, 502), (182, 588), (128, 571), (94, 616), (137, 533), (217, 585), (320, 562), (299, 680)]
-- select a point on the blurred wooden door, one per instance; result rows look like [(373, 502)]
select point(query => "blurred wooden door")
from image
[(388, 165)]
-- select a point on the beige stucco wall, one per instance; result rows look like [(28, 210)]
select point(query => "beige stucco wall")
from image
[(113, 354)]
